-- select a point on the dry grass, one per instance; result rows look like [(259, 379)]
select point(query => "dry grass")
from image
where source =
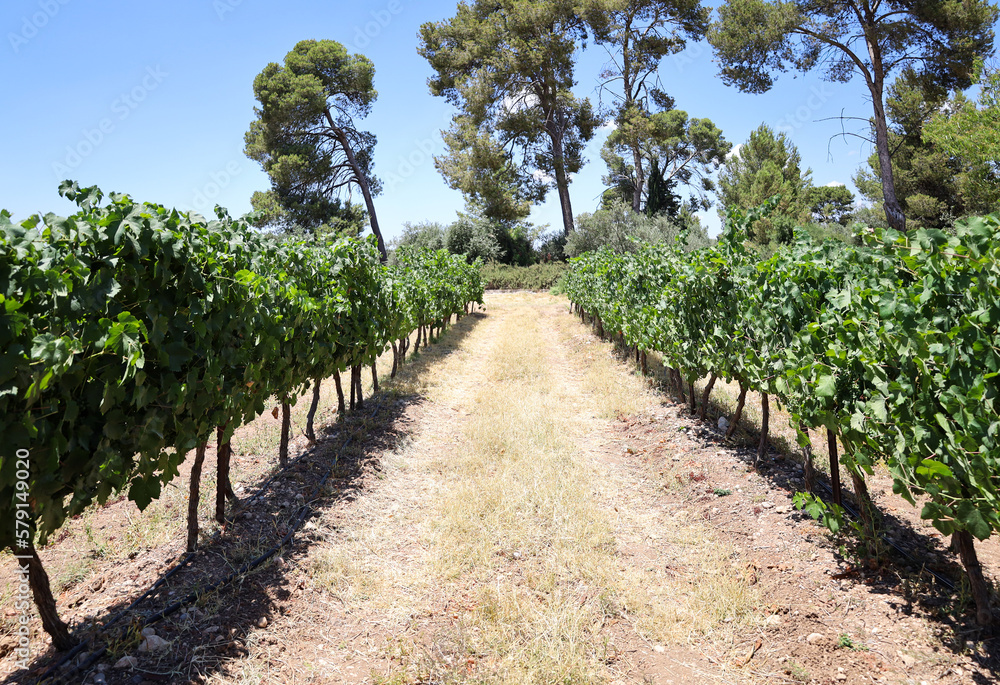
[(710, 598), (493, 552), (352, 572), (521, 526)]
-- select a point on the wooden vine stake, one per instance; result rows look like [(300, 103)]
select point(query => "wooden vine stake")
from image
[(964, 544), (340, 393), (286, 429), (869, 515), (357, 384), (194, 497), (311, 417), (831, 446), (705, 396), (738, 414), (223, 488)]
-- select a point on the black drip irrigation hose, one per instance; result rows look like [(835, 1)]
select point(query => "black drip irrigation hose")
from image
[(249, 566), (182, 563), (121, 614), (853, 513)]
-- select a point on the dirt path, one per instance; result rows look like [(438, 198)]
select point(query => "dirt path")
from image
[(521, 507), (504, 544)]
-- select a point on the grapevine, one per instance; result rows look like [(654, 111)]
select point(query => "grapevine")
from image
[(132, 333), (890, 345)]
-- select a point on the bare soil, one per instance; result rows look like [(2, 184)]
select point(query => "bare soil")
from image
[(362, 595)]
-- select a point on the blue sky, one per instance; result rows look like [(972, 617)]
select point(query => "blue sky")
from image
[(153, 99)]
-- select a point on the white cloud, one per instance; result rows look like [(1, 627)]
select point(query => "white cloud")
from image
[(834, 184), (540, 175), (609, 125), (521, 101)]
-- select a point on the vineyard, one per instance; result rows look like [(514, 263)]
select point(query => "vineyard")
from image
[(890, 346), (134, 334), (546, 343), (126, 310)]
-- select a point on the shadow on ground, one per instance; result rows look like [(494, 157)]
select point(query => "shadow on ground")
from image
[(902, 573), (208, 634)]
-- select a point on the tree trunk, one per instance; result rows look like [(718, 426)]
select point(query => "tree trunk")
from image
[(192, 532), (644, 364), (361, 180), (693, 398), (639, 178), (374, 375), (765, 421), (286, 429), (311, 417), (38, 580), (738, 414), (893, 212), (705, 397), (340, 393), (562, 179), (808, 470), (354, 388), (831, 446), (966, 548), (395, 360)]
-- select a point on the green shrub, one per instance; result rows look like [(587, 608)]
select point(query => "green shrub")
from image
[(535, 277), (618, 227)]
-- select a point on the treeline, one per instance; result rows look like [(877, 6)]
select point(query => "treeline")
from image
[(521, 128), (133, 334), (519, 243), (890, 345)]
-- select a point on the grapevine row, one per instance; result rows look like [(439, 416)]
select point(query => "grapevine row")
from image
[(132, 334), (892, 346)]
